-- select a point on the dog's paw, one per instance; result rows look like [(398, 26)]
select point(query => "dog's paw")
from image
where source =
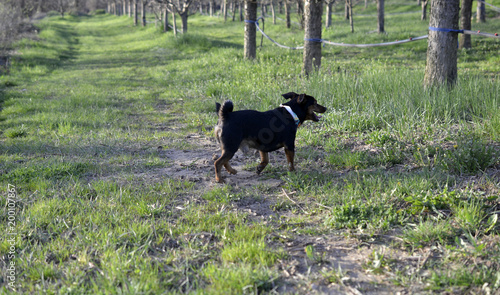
[(260, 168)]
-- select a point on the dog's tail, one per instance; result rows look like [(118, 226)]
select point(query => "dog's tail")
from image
[(226, 108)]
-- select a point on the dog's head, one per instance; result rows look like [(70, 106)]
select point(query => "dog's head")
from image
[(307, 103)]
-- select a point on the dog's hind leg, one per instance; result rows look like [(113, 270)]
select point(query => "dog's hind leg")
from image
[(223, 161), (229, 168), (264, 157)]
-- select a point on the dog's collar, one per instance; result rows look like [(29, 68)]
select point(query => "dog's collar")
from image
[(292, 113)]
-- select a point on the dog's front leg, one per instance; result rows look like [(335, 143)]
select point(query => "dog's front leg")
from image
[(264, 157), (289, 156)]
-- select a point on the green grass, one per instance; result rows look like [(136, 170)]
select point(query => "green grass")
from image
[(93, 111)]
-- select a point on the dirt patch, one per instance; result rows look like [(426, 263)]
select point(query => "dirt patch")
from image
[(198, 166)]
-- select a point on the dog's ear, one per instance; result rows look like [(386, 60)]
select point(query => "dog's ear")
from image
[(301, 98), (290, 95), (217, 107)]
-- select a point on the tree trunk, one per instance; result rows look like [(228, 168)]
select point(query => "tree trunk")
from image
[(481, 13), (380, 16), (328, 21), (346, 11), (174, 22), (124, 5), (143, 13), (273, 12), (313, 10), (135, 13), (165, 19), (351, 16), (465, 15), (184, 21), (233, 9), (240, 10), (424, 9), (441, 67), (300, 12), (287, 13), (250, 47), (224, 9)]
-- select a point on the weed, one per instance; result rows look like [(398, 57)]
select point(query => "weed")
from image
[(430, 202), (239, 279), (335, 276), (249, 252), (473, 217), (15, 132), (377, 263), (469, 155), (359, 213), (428, 233)]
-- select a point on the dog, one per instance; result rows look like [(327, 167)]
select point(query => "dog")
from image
[(264, 131)]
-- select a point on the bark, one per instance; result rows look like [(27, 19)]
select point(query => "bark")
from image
[(465, 20), (224, 9), (135, 13), (273, 12), (143, 13), (240, 10), (233, 9), (250, 46), (441, 66), (351, 16), (481, 13), (287, 13), (165, 19), (328, 20), (184, 21), (313, 10), (424, 9), (174, 23), (300, 12), (346, 11), (380, 16)]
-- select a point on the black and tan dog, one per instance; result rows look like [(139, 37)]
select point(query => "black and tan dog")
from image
[(264, 131)]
